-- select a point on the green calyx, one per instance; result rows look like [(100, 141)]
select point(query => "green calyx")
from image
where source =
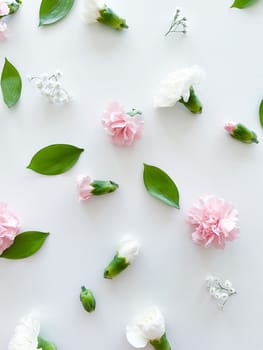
[(14, 6), (193, 104), (161, 344), (45, 345), (243, 134), (87, 299), (117, 265), (111, 19), (134, 112), (103, 187)]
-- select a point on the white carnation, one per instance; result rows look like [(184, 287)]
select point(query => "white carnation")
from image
[(128, 249), (177, 85), (26, 335), (147, 326), (90, 10)]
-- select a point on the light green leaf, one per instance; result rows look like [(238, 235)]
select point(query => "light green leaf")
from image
[(52, 11), (25, 245), (55, 159), (241, 4), (261, 113), (161, 186), (11, 84)]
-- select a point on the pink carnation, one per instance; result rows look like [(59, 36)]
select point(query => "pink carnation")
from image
[(230, 127), (121, 127), (9, 227), (84, 187), (214, 222), (3, 28), (4, 9)]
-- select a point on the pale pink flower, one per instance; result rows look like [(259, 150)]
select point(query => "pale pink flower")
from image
[(214, 222), (120, 126), (4, 9), (9, 227), (230, 127), (3, 28), (84, 187)]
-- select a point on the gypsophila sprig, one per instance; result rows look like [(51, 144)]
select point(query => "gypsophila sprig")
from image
[(220, 291), (179, 23), (50, 87)]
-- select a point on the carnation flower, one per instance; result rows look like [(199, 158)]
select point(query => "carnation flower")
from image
[(178, 87), (148, 327), (127, 251), (241, 133), (3, 29), (214, 222), (4, 9), (123, 128), (96, 11), (87, 188), (26, 336), (9, 227)]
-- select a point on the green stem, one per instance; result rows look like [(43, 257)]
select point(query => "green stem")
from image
[(161, 344), (111, 19), (193, 104), (45, 345), (117, 265)]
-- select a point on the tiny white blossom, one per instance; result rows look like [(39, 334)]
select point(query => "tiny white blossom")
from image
[(221, 291), (26, 334), (90, 10), (128, 249), (177, 85), (146, 327)]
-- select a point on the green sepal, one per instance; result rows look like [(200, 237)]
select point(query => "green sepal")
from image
[(111, 19), (243, 134), (45, 345), (87, 299), (193, 104), (117, 265), (103, 187), (161, 344), (134, 112)]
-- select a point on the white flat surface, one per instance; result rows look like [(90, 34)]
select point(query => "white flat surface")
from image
[(101, 65)]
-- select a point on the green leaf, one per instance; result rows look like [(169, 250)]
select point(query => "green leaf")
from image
[(261, 113), (241, 4), (52, 11), (11, 84), (25, 245), (161, 186), (55, 159)]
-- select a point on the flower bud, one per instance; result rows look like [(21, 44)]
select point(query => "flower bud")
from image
[(111, 19), (241, 132), (87, 299), (103, 187)]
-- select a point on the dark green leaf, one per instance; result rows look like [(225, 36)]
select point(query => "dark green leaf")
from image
[(261, 113), (25, 245), (241, 4), (160, 185), (11, 84), (55, 159), (52, 11)]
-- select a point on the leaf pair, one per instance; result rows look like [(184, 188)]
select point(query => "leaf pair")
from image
[(52, 11), (25, 245), (241, 4), (11, 84)]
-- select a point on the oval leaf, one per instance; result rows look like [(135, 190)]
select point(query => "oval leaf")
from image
[(241, 4), (25, 245), (52, 11), (11, 84), (160, 185), (55, 159), (261, 113)]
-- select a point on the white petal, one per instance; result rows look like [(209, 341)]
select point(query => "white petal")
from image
[(135, 337)]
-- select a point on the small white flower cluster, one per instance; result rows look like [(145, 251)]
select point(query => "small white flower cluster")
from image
[(50, 86), (220, 291), (179, 23)]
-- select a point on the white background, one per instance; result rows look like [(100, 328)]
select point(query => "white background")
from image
[(100, 65)]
